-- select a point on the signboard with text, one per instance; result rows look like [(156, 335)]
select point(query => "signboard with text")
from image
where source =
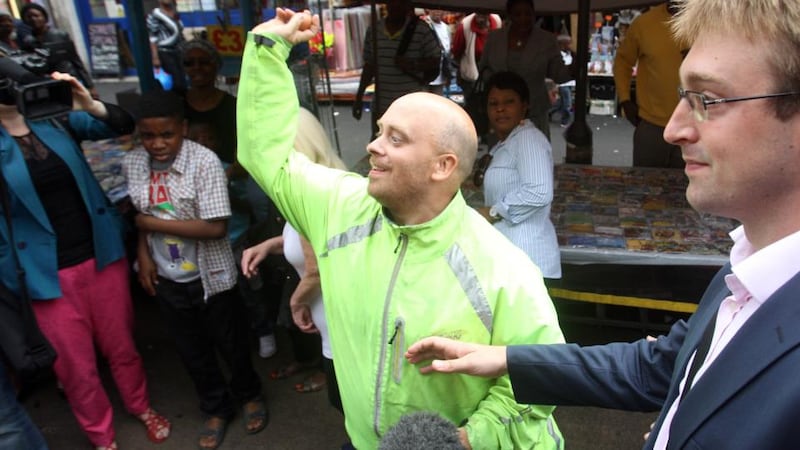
[(104, 49), (229, 41)]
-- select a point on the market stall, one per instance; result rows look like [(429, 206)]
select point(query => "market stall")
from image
[(630, 216), (625, 233)]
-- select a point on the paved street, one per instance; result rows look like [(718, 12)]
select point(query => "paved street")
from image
[(305, 421)]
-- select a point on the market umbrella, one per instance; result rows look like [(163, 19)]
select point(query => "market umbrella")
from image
[(543, 7), (578, 136)]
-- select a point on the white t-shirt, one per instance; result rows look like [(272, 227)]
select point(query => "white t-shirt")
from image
[(293, 251)]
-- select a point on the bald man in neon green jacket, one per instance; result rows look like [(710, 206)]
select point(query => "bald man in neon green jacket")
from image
[(401, 255)]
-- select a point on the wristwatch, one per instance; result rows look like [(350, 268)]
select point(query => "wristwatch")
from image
[(494, 216)]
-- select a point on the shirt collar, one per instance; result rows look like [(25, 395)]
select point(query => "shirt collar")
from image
[(764, 271), (526, 123)]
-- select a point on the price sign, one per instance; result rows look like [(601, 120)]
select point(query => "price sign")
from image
[(229, 41)]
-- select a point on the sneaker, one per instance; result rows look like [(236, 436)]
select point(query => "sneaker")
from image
[(267, 346)]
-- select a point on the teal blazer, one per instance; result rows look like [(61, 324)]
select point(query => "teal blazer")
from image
[(34, 238)]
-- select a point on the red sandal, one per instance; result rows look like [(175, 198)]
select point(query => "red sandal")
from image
[(156, 424)]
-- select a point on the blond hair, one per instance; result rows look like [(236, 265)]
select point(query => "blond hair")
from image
[(774, 23), (312, 141)]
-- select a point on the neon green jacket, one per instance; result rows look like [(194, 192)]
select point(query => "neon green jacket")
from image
[(386, 286)]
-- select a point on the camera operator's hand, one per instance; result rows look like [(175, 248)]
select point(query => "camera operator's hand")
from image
[(81, 97)]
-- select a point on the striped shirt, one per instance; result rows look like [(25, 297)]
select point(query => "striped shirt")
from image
[(519, 185), (164, 31), (199, 189), (393, 82)]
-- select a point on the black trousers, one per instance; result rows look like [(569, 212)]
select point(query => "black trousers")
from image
[(333, 387), (200, 328), (172, 63)]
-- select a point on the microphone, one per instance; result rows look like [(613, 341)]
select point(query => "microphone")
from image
[(422, 430), (36, 97)]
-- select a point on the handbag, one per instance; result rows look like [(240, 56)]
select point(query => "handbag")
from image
[(22, 343), (475, 105), (426, 76)]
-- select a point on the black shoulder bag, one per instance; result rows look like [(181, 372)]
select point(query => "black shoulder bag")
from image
[(426, 76), (22, 343), (475, 105)]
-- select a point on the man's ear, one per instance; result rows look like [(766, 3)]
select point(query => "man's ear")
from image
[(185, 127), (446, 164)]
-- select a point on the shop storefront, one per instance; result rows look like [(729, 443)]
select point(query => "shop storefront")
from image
[(104, 23)]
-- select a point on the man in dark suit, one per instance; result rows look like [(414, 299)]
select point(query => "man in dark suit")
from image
[(727, 378)]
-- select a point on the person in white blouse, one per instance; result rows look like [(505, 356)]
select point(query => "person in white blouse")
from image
[(306, 304), (517, 175)]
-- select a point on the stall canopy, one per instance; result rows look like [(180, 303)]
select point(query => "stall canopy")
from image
[(548, 7)]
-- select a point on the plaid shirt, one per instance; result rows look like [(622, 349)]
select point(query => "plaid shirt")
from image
[(198, 189)]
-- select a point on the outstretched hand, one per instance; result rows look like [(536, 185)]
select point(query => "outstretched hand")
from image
[(449, 356), (293, 26)]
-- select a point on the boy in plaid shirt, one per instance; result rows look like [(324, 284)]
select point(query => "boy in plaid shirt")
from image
[(185, 260)]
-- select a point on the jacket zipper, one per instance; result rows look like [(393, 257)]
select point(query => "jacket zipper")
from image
[(402, 246)]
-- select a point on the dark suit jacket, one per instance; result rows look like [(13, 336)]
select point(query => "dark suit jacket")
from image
[(749, 398)]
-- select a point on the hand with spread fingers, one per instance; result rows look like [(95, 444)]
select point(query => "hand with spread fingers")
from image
[(293, 26), (449, 356)]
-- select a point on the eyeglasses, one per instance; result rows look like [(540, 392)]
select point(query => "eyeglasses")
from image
[(197, 62), (480, 169), (699, 102)]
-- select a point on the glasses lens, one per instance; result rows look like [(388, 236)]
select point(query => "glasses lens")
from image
[(695, 100)]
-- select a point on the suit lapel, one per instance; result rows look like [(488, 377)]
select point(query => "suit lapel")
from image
[(707, 311), (709, 305), (765, 337)]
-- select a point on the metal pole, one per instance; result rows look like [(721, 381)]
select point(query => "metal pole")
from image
[(579, 136), (375, 104), (248, 18), (136, 14), (327, 75)]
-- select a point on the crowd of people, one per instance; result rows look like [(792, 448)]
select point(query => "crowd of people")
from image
[(429, 305)]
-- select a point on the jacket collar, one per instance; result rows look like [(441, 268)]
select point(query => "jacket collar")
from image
[(434, 237), (765, 337), (15, 169)]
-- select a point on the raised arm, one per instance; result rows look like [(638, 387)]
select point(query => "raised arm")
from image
[(267, 106)]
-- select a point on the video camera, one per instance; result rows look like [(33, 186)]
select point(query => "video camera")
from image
[(24, 82)]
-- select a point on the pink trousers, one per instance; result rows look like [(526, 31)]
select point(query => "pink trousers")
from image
[(95, 309)]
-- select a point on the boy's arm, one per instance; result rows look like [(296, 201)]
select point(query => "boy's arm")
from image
[(193, 229), (148, 273)]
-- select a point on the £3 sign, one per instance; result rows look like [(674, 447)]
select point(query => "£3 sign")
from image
[(229, 41)]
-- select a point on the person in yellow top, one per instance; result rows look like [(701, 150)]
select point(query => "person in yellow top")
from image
[(650, 44)]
